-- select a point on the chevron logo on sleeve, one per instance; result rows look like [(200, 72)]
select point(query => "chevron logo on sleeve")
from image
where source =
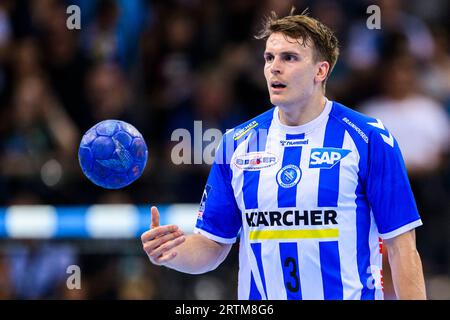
[(387, 136)]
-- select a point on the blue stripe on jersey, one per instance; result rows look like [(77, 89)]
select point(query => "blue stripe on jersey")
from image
[(287, 197), (289, 264), (256, 247), (329, 178), (257, 142), (331, 270), (254, 292), (250, 189), (362, 243)]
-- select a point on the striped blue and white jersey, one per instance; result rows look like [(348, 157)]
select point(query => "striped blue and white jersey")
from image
[(310, 203)]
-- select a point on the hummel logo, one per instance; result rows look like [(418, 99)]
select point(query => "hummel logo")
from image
[(389, 140)]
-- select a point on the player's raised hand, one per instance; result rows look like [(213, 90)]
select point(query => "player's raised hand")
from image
[(159, 241)]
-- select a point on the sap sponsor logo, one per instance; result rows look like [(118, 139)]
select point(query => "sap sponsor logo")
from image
[(293, 143), (326, 158), (289, 176), (241, 132), (203, 202), (254, 161)]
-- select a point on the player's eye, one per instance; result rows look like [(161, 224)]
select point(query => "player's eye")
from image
[(290, 57), (268, 57)]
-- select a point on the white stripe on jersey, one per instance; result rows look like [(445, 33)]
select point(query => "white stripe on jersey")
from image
[(310, 275), (347, 237), (273, 271), (308, 249), (310, 178), (246, 256), (267, 198), (267, 187)]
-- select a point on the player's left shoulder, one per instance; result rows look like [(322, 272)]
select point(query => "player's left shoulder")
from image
[(366, 128)]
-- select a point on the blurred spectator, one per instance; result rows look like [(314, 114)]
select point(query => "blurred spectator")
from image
[(419, 124), (101, 39), (108, 94), (39, 130), (113, 34), (65, 63), (6, 290), (249, 88), (178, 61), (213, 105), (139, 281), (282, 7), (241, 16), (435, 78), (37, 268), (5, 25), (5, 69), (367, 47), (332, 14), (27, 59), (100, 274)]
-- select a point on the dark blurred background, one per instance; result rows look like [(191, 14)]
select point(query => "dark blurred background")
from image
[(161, 65)]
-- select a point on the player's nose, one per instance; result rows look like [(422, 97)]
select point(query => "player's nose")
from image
[(275, 67)]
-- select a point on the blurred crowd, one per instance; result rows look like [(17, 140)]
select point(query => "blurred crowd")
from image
[(161, 65)]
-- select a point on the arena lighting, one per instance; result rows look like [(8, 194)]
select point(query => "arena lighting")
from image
[(94, 221)]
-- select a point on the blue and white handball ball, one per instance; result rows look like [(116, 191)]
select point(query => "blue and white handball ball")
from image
[(112, 154)]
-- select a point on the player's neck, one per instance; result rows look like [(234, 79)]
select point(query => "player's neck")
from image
[(299, 114)]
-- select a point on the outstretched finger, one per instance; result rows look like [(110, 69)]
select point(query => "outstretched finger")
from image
[(155, 218)]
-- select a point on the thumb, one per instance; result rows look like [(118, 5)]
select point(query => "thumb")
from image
[(155, 218)]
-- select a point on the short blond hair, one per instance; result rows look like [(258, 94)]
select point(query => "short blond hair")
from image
[(307, 31)]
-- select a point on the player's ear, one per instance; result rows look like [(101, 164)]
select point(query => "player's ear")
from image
[(322, 67)]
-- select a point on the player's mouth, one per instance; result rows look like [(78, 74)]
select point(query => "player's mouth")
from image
[(277, 86)]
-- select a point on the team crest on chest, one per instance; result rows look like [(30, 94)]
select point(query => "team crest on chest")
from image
[(289, 176)]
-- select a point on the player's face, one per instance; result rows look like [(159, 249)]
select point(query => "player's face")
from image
[(290, 70)]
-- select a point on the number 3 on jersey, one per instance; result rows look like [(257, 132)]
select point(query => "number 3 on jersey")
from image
[(294, 285), (291, 274)]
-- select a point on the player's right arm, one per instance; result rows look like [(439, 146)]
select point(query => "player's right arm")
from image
[(168, 246), (217, 227)]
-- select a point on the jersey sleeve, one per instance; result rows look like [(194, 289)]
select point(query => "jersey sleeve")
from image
[(219, 217), (388, 188)]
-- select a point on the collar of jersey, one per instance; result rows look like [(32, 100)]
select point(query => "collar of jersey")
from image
[(304, 128)]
